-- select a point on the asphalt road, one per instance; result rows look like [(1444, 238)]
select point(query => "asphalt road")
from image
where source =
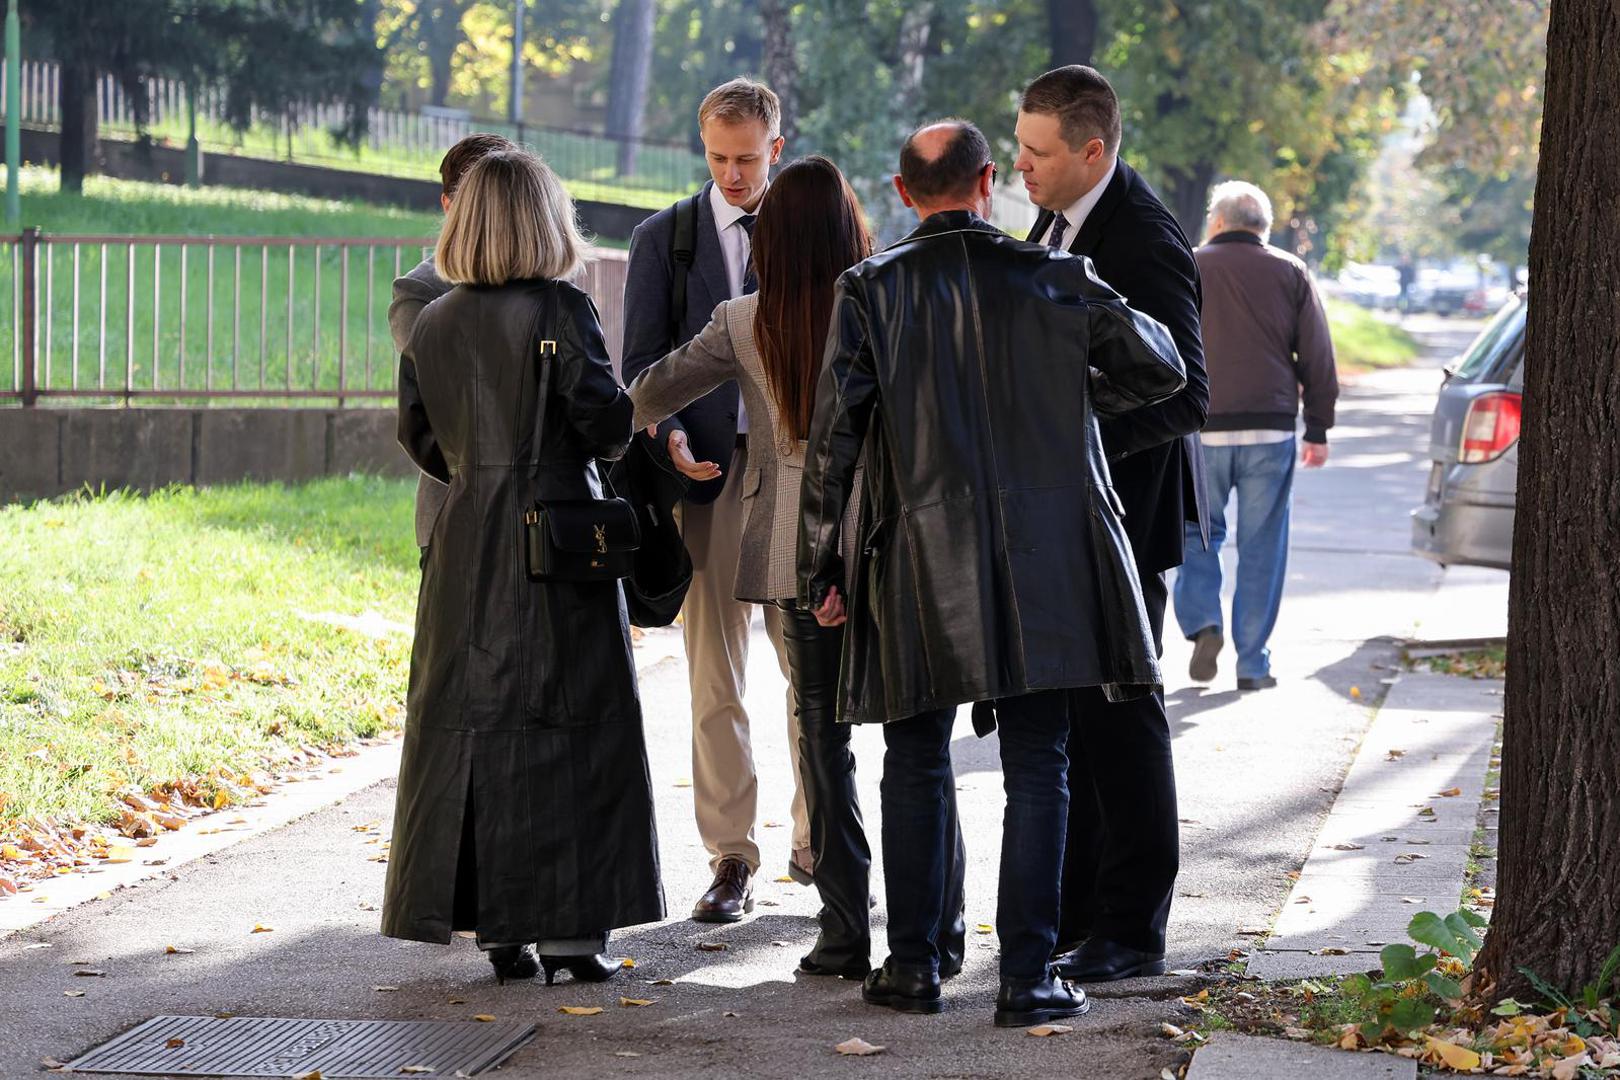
[(1256, 774)]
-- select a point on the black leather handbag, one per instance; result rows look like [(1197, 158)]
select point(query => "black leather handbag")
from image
[(575, 540)]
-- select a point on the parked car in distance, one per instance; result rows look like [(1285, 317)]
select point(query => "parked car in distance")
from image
[(1371, 285), (1467, 513)]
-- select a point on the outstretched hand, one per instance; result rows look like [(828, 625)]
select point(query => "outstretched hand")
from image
[(685, 463), (831, 612)]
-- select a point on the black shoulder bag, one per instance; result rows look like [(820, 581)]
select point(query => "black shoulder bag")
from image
[(575, 540), (682, 253)]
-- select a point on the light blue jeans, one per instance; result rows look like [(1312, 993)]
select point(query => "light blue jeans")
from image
[(1263, 478)]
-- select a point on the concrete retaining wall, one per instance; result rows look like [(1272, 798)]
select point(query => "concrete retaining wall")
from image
[(128, 160), (45, 452)]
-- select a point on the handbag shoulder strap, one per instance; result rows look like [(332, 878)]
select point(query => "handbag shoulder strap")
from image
[(548, 353)]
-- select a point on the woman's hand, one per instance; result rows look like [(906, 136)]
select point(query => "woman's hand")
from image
[(688, 466), (831, 612)]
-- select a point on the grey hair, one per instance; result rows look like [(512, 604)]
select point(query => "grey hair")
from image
[(1241, 205)]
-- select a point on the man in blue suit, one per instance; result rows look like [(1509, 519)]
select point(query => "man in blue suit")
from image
[(740, 124)]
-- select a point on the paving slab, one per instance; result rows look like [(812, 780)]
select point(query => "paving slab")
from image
[(1359, 888), (1230, 1056)]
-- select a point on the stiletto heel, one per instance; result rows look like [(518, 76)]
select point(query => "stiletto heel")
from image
[(594, 968), (513, 962)]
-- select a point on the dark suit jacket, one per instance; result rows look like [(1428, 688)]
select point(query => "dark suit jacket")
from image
[(1158, 468), (710, 422)]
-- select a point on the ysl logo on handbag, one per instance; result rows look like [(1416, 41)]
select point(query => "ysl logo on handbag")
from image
[(601, 539)]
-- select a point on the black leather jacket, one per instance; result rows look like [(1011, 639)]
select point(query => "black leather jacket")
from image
[(971, 367)]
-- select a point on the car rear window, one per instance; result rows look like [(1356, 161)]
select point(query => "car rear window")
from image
[(1503, 337)]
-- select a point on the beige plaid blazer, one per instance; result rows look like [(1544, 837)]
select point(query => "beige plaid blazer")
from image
[(725, 350)]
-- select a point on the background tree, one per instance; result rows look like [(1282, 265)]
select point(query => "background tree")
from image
[(698, 45), (1071, 31), (1557, 875), (781, 63), (628, 78)]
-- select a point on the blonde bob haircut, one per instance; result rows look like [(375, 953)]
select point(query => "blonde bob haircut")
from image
[(511, 220)]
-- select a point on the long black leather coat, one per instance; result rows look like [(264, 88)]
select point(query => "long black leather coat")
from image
[(971, 368), (523, 708)]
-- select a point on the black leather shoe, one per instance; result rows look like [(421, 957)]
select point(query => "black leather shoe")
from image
[(513, 962), (730, 897), (851, 970), (1264, 682), (597, 968), (1106, 961), (907, 990), (1206, 648), (1026, 1002)]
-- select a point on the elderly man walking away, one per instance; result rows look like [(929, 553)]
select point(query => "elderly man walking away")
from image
[(993, 564), (1266, 345)]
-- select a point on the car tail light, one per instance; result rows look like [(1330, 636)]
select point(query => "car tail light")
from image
[(1492, 425)]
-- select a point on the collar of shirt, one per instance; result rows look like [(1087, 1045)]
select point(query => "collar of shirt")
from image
[(725, 215), (1076, 214)]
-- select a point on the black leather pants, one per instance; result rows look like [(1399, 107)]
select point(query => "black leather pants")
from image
[(827, 770)]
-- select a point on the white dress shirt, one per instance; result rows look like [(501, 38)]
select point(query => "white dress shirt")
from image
[(735, 245), (1076, 214)]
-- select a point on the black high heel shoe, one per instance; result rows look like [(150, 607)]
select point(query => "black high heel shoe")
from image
[(593, 968), (513, 962)]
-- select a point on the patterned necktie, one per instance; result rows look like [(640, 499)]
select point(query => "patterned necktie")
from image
[(1060, 225), (750, 283)]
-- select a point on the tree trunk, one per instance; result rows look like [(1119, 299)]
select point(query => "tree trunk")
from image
[(781, 65), (1558, 877), (1186, 193), (441, 33), (76, 99), (631, 71), (1072, 26)]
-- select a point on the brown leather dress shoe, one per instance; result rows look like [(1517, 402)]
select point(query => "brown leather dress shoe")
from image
[(730, 897)]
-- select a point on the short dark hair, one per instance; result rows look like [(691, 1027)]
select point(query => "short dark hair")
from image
[(954, 171), (1083, 101), (460, 157)]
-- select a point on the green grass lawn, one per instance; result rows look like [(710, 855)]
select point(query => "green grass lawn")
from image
[(187, 637), (1362, 341)]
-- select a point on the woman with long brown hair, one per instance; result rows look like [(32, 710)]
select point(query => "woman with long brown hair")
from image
[(809, 230)]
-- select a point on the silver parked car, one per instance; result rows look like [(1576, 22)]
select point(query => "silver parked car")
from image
[(1467, 516)]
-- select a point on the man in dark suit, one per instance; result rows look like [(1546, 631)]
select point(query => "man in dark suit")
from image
[(1123, 845), (740, 123)]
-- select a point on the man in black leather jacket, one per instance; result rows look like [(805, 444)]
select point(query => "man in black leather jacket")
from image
[(969, 369)]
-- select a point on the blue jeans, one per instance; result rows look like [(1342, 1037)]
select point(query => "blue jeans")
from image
[(918, 787), (1263, 477)]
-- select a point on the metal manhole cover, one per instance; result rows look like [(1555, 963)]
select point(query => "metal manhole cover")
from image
[(267, 1046)]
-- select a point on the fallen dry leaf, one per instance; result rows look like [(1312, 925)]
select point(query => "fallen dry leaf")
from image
[(53, 1065), (712, 946), (571, 1010), (1253, 931), (1409, 857), (784, 879), (73, 993), (177, 950), (1046, 1030), (260, 928), (662, 982), (625, 1053), (486, 1018), (858, 1048), (90, 973), (628, 964), (417, 1069), (631, 1003), (385, 989), (1332, 950), (1395, 754), (1169, 1030), (1455, 1057), (1346, 847), (1450, 792), (985, 928), (175, 1044)]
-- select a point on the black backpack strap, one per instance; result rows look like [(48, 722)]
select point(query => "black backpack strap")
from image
[(682, 253)]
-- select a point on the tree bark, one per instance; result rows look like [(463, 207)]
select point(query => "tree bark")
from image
[(630, 73), (1186, 193), (76, 99), (781, 65), (441, 33), (1558, 877), (1072, 26)]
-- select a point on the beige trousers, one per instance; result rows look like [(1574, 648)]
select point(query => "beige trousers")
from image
[(725, 788)]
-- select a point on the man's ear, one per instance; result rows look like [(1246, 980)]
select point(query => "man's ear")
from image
[(987, 183), (776, 149), (905, 196), (1096, 150)]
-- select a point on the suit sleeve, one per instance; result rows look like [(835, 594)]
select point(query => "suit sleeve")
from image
[(1318, 373), (1163, 284), (410, 297), (415, 433), (671, 384), (648, 278), (596, 405), (845, 399), (1133, 358)]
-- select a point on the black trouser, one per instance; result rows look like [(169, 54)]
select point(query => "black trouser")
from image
[(843, 859), (1123, 849), (918, 812)]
